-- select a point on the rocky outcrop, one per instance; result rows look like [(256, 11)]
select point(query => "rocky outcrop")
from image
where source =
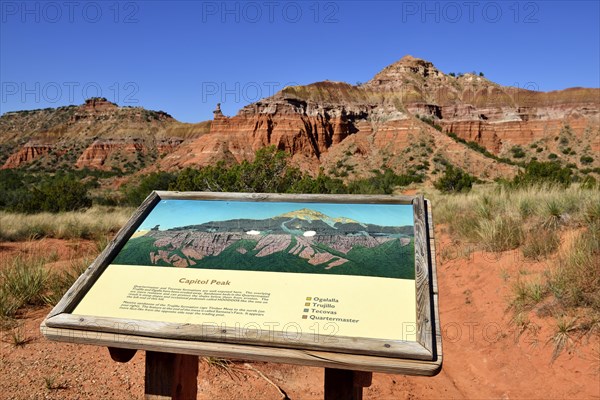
[(98, 104), (69, 131), (346, 130), (26, 155), (166, 146), (96, 155), (544, 117), (304, 129), (328, 124)]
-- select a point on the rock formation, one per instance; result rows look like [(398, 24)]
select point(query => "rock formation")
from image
[(97, 134), (360, 128), (26, 154), (400, 119)]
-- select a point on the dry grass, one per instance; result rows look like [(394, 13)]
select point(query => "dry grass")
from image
[(22, 282), (500, 233), (52, 383), (527, 294), (25, 281), (497, 218), (539, 243), (89, 224), (60, 282), (563, 336), (534, 219), (17, 336), (576, 279)]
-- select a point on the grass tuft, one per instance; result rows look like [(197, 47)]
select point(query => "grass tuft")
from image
[(553, 212), (576, 280), (527, 294), (222, 364), (22, 282), (527, 207), (539, 243), (563, 337), (534, 219), (500, 233), (591, 214), (18, 336), (25, 281)]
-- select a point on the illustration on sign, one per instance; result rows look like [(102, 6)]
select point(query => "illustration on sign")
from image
[(341, 239)]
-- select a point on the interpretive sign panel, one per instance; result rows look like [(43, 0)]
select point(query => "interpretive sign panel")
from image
[(350, 275)]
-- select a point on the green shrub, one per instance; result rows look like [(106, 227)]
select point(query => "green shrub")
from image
[(517, 152), (566, 150), (136, 193), (59, 193), (430, 121), (382, 182), (27, 192), (64, 194), (321, 184), (270, 173), (537, 172), (586, 160), (454, 180)]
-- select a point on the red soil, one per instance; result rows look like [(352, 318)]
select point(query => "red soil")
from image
[(484, 354)]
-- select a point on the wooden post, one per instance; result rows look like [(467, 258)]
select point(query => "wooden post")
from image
[(171, 376), (342, 384)]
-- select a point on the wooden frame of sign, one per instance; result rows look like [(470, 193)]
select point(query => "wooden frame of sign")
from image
[(413, 348)]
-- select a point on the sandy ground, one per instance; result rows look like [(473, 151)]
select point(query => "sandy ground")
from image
[(485, 355)]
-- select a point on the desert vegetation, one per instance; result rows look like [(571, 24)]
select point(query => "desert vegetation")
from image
[(27, 281), (548, 224), (26, 192), (544, 215), (92, 223)]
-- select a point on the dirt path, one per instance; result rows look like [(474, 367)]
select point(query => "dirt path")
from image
[(484, 355)]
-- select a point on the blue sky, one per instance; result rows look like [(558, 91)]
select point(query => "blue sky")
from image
[(183, 57), (173, 213)]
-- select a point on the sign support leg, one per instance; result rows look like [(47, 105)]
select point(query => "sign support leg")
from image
[(171, 376), (341, 384), (121, 355)]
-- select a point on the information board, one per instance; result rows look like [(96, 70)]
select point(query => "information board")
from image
[(350, 275)]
